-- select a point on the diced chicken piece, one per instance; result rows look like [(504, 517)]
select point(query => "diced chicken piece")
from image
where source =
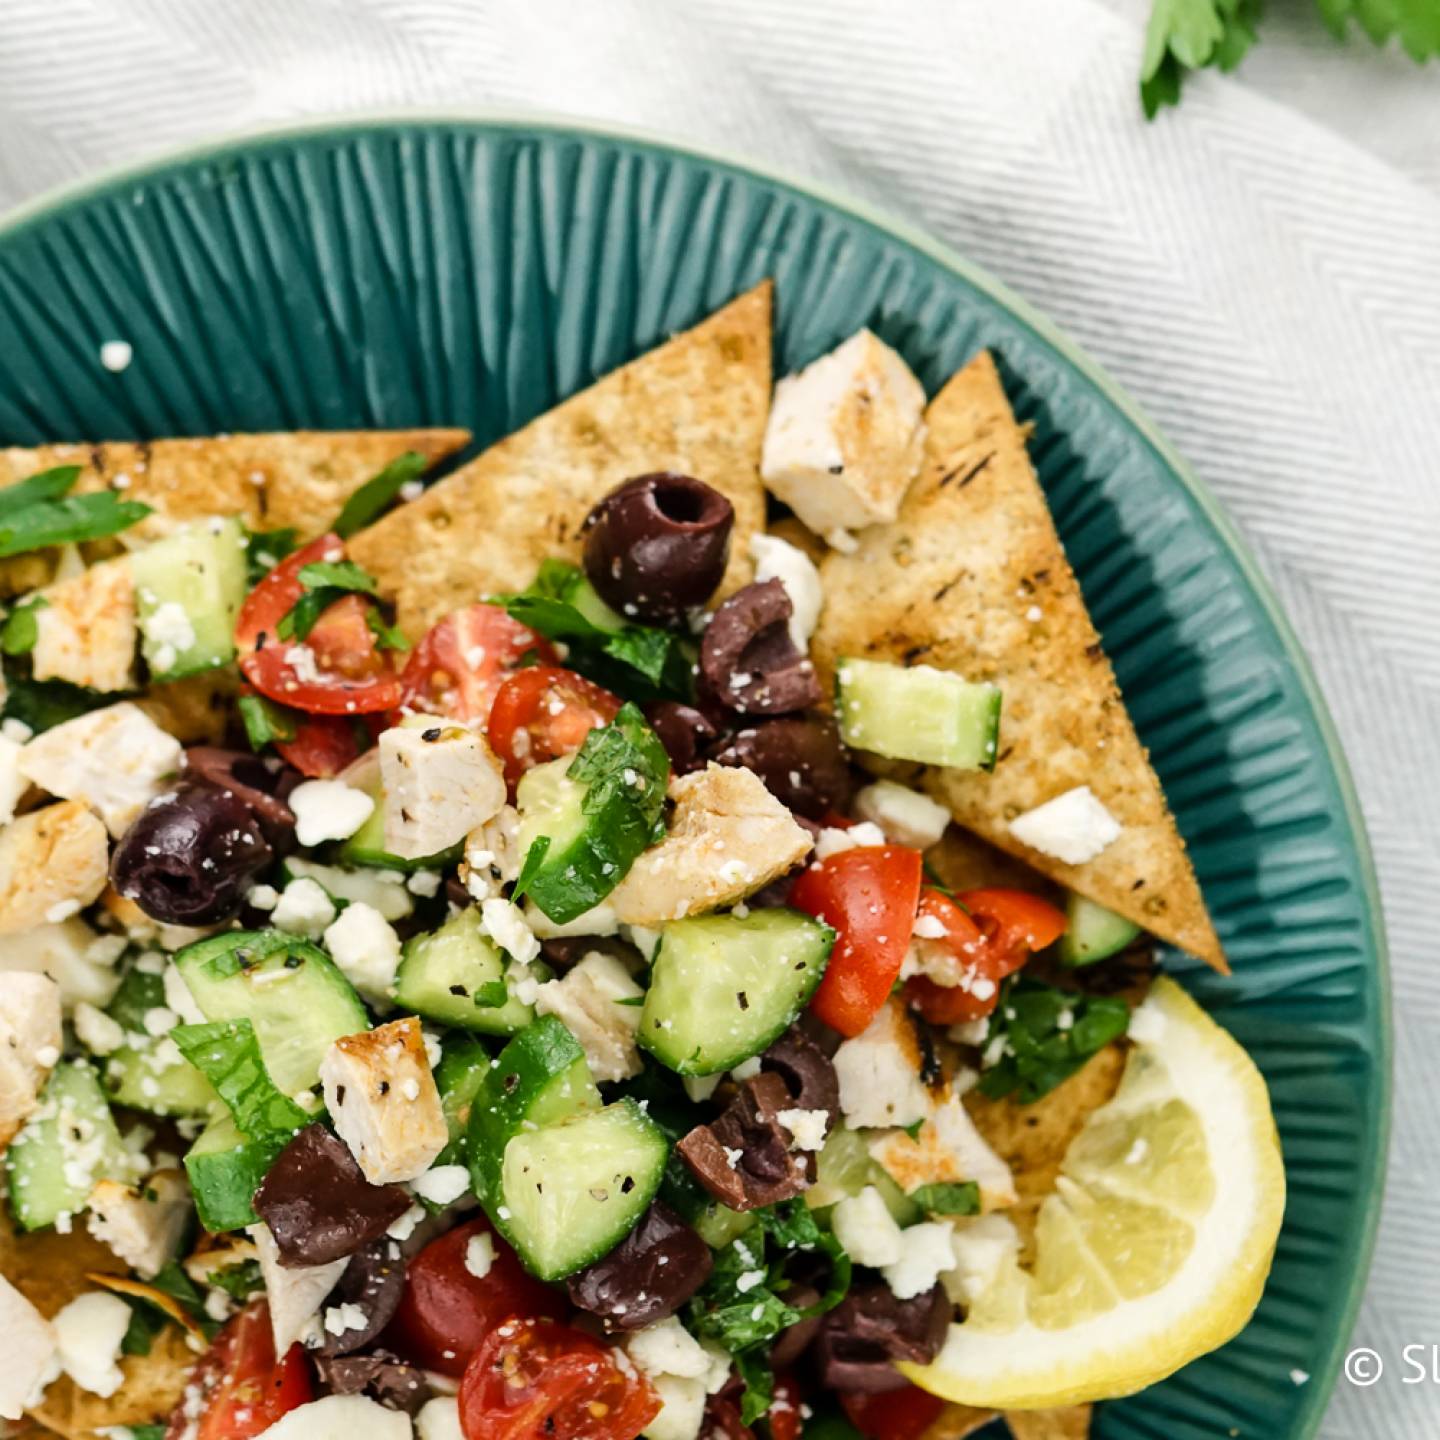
[(81, 961), (947, 1148), (492, 854), (30, 1352), (115, 760), (383, 1101), (441, 781), (729, 837), (53, 862), (29, 1045), (295, 1292), (595, 1001), (906, 816), (879, 1072), (845, 438), (86, 629), (341, 1417), (144, 1226), (13, 783)]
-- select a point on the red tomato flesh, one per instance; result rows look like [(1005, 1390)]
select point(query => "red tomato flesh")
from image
[(460, 664), (535, 1379), (894, 1415), (868, 895), (446, 1312), (245, 1390), (543, 713)]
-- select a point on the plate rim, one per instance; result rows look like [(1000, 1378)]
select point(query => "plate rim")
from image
[(44, 206)]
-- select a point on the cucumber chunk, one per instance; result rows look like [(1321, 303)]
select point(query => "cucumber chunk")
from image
[(1092, 932), (292, 992), (917, 713), (723, 987), (845, 1167), (225, 1170), (456, 975), (67, 1145), (150, 1074), (572, 1191), (188, 592)]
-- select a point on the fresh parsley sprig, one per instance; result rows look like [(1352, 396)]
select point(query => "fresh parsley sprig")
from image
[(1048, 1035), (375, 496), (325, 582), (66, 521)]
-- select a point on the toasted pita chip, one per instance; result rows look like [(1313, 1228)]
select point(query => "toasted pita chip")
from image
[(50, 1270), (955, 1422), (298, 479), (696, 404), (196, 710), (963, 861), (972, 578), (1070, 1423), (124, 1286), (1032, 1139)]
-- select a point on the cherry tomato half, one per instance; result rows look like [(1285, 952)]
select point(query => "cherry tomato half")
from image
[(535, 1379), (783, 1418), (894, 1415), (992, 936), (338, 669), (446, 1311), (543, 713), (325, 744), (459, 665), (869, 895), (245, 1390)]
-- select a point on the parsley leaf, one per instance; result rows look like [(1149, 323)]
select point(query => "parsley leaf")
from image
[(265, 721), (265, 549), (624, 757), (21, 629), (43, 704), (239, 1281), (948, 1198), (67, 521), (47, 485), (376, 495), (325, 582), (1049, 1034), (387, 637)]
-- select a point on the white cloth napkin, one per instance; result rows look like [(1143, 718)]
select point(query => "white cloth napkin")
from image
[(1269, 292)]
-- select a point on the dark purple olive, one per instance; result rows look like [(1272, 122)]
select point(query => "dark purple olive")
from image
[(373, 1281), (385, 1377), (792, 1341), (684, 731), (263, 783), (870, 1329), (657, 546), (749, 661), (807, 1072), (648, 1276), (800, 758), (191, 856)]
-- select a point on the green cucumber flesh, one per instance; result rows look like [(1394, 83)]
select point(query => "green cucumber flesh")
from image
[(67, 1145), (917, 713), (154, 1078), (845, 1167), (293, 993), (200, 569), (1092, 932), (456, 975), (722, 987), (572, 1191), (225, 1170)]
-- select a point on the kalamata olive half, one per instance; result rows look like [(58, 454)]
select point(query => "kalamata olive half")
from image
[(649, 1275), (749, 661), (657, 546), (801, 759), (262, 782), (191, 856), (684, 731)]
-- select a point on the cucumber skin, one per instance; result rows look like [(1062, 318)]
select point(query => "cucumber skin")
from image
[(1092, 932), (688, 1057), (419, 988)]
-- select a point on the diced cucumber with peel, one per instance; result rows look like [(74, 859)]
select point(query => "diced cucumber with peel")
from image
[(152, 1077), (367, 845), (456, 975), (189, 589), (572, 1191), (722, 987), (1092, 932), (845, 1167), (291, 991), (225, 1170), (68, 1144), (917, 713)]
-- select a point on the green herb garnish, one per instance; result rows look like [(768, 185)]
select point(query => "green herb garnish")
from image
[(376, 495), (265, 721), (22, 627), (948, 1198), (67, 521), (265, 549), (46, 485), (325, 582)]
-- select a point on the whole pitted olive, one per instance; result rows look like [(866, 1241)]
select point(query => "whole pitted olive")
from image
[(801, 760), (749, 661), (191, 856), (684, 731), (657, 546)]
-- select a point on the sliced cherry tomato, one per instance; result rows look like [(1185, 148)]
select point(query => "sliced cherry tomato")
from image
[(323, 745), (543, 713), (783, 1417), (459, 665), (446, 1311), (535, 1379), (722, 1421), (869, 895), (338, 669), (894, 1415), (991, 937), (245, 1391)]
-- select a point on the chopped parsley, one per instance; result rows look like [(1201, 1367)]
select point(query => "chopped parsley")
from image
[(66, 521), (325, 582), (1047, 1035), (376, 495)]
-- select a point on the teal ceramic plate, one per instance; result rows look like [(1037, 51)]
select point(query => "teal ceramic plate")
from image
[(468, 272)]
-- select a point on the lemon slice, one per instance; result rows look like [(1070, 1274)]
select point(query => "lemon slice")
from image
[(1154, 1246)]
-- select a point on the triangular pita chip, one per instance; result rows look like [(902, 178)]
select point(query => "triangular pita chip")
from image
[(1072, 1422), (697, 404), (955, 1422), (300, 479), (972, 578)]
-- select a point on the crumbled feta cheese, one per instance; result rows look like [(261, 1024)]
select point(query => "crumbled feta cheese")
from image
[(701, 1087), (777, 559), (835, 838), (807, 1127), (1074, 827), (928, 927), (442, 1184), (179, 999), (170, 633), (682, 1408), (906, 816), (403, 1226), (340, 1318), (866, 1229), (263, 897), (480, 1254), (505, 924), (925, 1255), (328, 810), (365, 947), (304, 909), (88, 1332), (116, 355), (667, 1348), (424, 883), (96, 1031), (746, 1070)]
